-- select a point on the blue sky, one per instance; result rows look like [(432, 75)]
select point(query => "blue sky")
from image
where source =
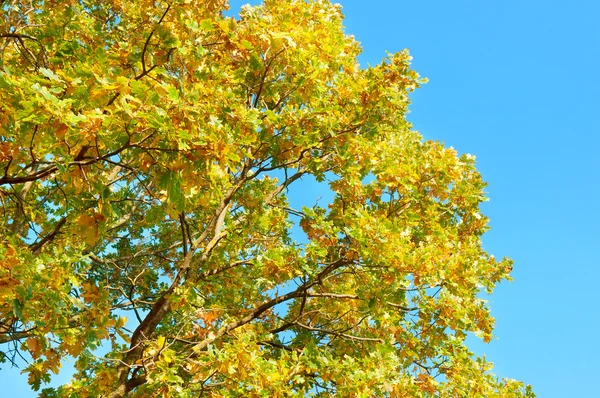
[(515, 83)]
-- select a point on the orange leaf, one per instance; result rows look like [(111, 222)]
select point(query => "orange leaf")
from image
[(34, 347)]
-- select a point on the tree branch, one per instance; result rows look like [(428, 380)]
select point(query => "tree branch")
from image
[(38, 245), (145, 49)]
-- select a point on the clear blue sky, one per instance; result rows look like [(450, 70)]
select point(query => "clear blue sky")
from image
[(516, 83)]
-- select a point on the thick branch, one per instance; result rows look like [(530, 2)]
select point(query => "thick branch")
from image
[(163, 306)]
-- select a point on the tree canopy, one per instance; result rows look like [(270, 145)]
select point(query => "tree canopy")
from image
[(149, 155)]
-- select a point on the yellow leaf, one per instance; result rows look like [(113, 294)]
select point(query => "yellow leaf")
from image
[(90, 292)]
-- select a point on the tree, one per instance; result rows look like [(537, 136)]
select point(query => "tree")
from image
[(148, 151)]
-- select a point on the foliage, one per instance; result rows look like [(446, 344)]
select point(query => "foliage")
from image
[(148, 151)]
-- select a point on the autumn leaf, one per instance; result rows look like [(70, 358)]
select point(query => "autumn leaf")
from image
[(34, 347)]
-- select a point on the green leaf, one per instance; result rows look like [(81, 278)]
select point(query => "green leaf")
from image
[(171, 182), (17, 308), (173, 93), (3, 82), (207, 25), (49, 74), (247, 45)]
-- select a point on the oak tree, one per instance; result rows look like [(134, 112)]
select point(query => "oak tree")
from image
[(150, 152)]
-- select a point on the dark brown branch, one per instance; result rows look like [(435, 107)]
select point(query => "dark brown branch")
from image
[(31, 177), (51, 169), (129, 385), (28, 55), (183, 234), (336, 296), (264, 76), (38, 245), (145, 71), (33, 159), (16, 36), (10, 159), (7, 335)]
